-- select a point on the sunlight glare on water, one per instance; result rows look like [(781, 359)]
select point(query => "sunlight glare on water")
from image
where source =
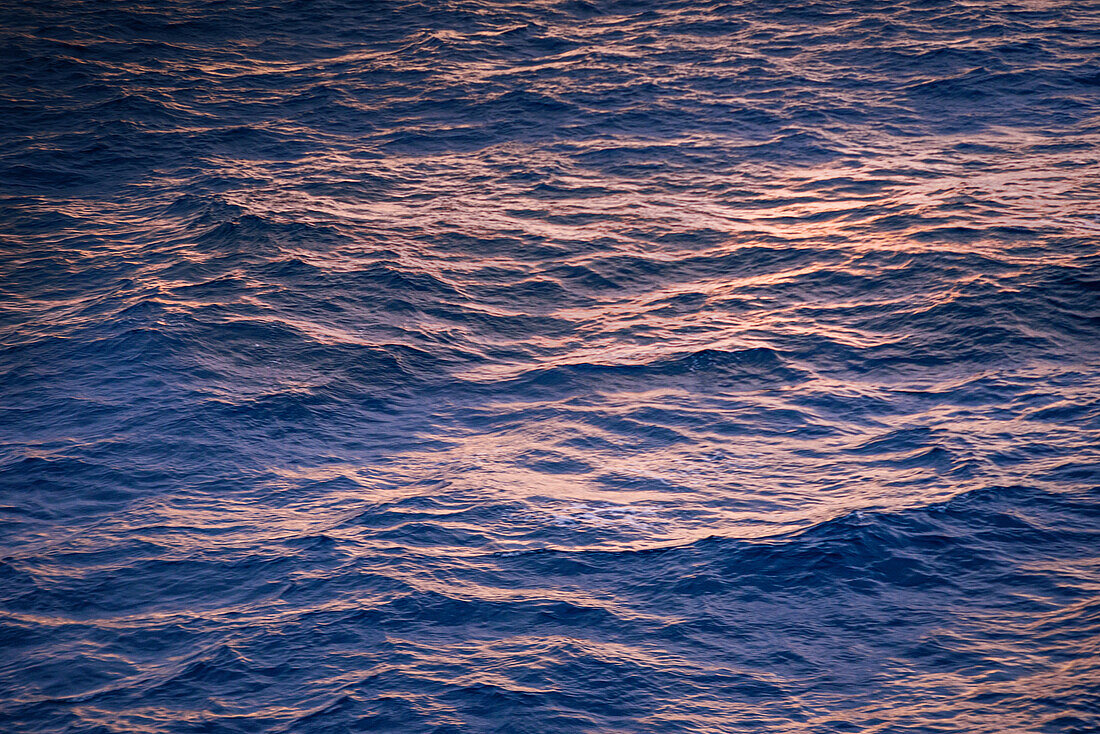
[(550, 367)]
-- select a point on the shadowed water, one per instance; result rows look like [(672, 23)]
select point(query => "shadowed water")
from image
[(609, 367)]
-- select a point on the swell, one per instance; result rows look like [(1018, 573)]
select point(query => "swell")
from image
[(557, 623)]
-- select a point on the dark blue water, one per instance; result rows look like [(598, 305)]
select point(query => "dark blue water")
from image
[(554, 366)]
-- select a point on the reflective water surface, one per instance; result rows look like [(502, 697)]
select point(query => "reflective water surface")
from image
[(552, 366)]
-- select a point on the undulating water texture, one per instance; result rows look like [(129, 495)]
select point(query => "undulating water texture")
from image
[(551, 366)]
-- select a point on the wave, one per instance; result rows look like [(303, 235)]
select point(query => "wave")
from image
[(565, 367)]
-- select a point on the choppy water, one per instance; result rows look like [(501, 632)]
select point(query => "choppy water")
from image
[(550, 367)]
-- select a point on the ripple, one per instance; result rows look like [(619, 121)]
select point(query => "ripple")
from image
[(573, 367)]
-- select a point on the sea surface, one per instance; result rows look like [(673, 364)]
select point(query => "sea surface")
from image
[(458, 366)]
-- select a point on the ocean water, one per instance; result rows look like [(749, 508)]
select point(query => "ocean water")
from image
[(551, 366)]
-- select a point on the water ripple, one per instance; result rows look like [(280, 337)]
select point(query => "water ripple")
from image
[(562, 367)]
